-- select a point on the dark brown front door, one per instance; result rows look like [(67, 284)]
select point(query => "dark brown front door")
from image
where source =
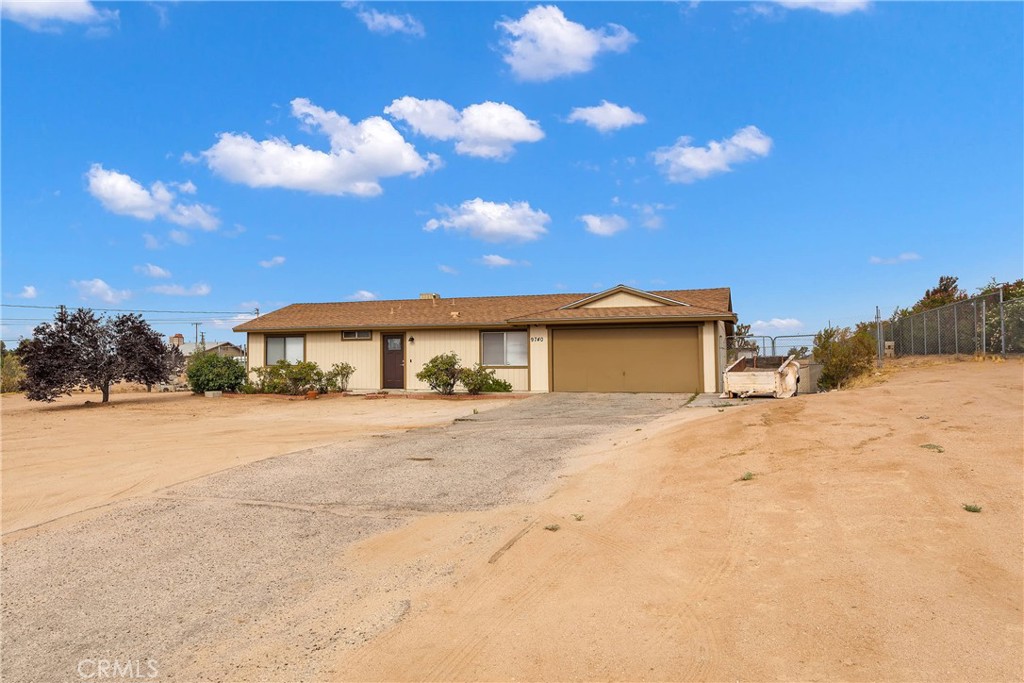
[(394, 361)]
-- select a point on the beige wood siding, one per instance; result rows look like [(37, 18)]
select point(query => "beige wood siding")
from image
[(540, 339), (256, 349), (627, 359), (519, 378), (429, 343), (710, 352), (621, 299), (327, 348)]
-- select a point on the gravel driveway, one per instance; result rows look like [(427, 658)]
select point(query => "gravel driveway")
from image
[(200, 570)]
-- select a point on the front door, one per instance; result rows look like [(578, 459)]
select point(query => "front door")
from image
[(394, 361)]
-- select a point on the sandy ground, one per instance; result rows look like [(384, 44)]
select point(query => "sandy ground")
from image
[(846, 556), (63, 458)]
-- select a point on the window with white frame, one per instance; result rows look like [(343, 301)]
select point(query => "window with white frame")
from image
[(290, 349), (503, 348)]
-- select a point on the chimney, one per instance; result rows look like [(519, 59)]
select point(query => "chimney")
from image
[(177, 340), (430, 295)]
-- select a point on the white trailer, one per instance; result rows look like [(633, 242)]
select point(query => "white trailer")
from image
[(762, 376)]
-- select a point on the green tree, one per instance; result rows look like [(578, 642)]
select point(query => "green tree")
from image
[(82, 350), (843, 354), (12, 374)]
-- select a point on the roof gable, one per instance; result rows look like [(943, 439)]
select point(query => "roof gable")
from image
[(622, 296)]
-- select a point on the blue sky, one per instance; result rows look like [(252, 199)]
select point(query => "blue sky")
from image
[(820, 158)]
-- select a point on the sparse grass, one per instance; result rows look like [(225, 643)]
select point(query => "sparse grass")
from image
[(578, 517), (692, 398), (971, 507), (475, 411), (552, 527), (933, 447), (747, 476)]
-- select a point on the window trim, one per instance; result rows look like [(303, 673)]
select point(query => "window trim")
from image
[(357, 335), (505, 333), (266, 345)]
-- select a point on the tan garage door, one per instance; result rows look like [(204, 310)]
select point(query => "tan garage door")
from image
[(631, 359)]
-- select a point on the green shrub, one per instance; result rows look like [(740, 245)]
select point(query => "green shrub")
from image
[(299, 378), (843, 355), (12, 373), (441, 373), (210, 372), (479, 380), (335, 379)]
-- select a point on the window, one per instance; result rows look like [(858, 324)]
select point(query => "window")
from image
[(504, 348), (356, 334), (285, 348)]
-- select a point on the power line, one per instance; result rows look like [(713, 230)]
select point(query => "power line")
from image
[(132, 310)]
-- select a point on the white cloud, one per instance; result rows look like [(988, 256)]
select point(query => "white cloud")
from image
[(180, 237), (149, 270), (47, 15), (650, 216), (360, 155), (684, 163), (228, 323), (447, 269), (827, 6), (198, 289), (775, 325), (902, 258), (98, 289), (606, 226), (387, 23), (150, 241), (543, 44), (27, 292), (121, 194), (493, 222), (495, 261), (272, 262), (489, 129), (606, 117), (361, 295), (187, 187)]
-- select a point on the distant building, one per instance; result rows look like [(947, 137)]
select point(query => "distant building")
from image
[(220, 348)]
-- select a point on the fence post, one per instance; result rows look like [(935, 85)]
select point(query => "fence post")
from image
[(924, 324), (938, 328), (984, 344), (956, 333), (975, 305), (1002, 322), (911, 335), (878, 335)]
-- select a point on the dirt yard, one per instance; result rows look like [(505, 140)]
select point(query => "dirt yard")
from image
[(847, 556), (76, 454), (822, 537)]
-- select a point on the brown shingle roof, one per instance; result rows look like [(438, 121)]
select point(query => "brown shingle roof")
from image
[(471, 311)]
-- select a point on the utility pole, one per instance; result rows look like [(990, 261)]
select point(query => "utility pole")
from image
[(196, 325)]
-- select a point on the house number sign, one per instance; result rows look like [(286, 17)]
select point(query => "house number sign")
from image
[(536, 339)]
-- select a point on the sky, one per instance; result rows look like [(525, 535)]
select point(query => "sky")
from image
[(820, 158)]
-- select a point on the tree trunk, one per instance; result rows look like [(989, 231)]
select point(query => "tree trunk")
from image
[(106, 392)]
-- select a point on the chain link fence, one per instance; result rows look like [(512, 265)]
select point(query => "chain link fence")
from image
[(976, 326), (801, 346)]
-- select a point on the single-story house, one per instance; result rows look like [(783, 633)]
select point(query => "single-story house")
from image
[(215, 347), (619, 340)]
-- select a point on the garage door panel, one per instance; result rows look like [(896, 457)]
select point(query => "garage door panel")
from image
[(664, 359)]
